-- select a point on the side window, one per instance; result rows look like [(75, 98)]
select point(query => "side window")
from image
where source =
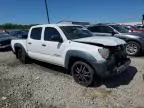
[(36, 33), (51, 34), (106, 29), (94, 29)]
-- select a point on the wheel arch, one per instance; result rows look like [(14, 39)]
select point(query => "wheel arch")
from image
[(133, 40), (18, 46), (74, 55)]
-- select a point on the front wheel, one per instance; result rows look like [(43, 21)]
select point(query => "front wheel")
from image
[(82, 73), (132, 48)]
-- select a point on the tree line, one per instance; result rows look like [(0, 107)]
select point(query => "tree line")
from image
[(15, 26)]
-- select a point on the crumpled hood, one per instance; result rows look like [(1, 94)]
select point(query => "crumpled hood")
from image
[(106, 41)]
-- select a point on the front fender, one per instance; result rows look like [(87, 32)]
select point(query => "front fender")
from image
[(79, 54)]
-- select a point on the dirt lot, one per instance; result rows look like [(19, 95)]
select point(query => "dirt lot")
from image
[(40, 85)]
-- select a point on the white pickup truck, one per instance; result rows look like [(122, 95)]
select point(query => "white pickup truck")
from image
[(74, 48)]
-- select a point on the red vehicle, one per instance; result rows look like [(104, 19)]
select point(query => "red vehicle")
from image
[(134, 28), (140, 28)]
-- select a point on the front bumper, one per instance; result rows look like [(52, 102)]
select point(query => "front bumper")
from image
[(110, 68), (123, 67)]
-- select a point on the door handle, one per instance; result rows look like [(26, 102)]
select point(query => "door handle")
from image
[(29, 43), (43, 45)]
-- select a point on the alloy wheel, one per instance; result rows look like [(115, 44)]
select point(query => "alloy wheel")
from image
[(82, 73), (131, 49)]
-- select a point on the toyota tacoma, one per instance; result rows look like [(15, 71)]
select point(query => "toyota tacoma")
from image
[(74, 48)]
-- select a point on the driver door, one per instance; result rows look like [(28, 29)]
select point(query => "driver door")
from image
[(53, 46)]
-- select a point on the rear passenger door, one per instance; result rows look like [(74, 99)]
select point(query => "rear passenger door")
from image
[(34, 43)]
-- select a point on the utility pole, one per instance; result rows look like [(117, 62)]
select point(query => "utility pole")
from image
[(143, 19), (46, 6)]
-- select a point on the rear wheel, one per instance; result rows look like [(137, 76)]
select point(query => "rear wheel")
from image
[(82, 73), (21, 54), (132, 48)]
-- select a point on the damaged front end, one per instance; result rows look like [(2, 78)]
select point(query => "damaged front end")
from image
[(117, 62)]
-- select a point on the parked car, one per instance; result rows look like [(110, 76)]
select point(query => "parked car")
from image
[(74, 48), (135, 40), (5, 40), (140, 27), (18, 33), (7, 36), (131, 28)]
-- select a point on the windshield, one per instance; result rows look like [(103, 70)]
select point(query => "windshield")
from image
[(75, 32), (120, 28)]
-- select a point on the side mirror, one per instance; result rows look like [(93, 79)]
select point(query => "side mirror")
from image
[(56, 38)]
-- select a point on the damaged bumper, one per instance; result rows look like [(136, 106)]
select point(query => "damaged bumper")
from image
[(111, 68), (123, 67)]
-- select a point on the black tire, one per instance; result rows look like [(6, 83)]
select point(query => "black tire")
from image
[(82, 73), (22, 56), (132, 48)]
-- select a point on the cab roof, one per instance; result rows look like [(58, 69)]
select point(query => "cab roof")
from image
[(54, 25)]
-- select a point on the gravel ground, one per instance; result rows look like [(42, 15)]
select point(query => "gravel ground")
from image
[(40, 85)]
